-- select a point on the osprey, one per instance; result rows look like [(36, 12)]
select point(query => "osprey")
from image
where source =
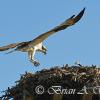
[(37, 44)]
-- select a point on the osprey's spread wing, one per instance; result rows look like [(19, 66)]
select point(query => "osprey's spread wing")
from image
[(69, 22)]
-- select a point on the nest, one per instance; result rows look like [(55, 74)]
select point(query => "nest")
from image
[(66, 78)]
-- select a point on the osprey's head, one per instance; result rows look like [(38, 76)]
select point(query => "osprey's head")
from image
[(44, 50)]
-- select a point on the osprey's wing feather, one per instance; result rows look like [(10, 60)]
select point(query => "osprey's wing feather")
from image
[(69, 22), (10, 46)]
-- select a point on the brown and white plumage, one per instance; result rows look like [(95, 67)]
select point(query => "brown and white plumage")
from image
[(36, 44)]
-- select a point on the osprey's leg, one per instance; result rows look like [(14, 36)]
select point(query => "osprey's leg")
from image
[(31, 59)]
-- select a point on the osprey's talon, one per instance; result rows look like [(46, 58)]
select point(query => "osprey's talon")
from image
[(36, 63)]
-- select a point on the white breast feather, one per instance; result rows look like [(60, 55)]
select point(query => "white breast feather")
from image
[(38, 46)]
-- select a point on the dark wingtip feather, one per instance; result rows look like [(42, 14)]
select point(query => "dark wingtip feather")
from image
[(84, 8), (71, 17), (79, 16)]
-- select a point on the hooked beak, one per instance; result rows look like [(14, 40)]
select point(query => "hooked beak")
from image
[(44, 50)]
